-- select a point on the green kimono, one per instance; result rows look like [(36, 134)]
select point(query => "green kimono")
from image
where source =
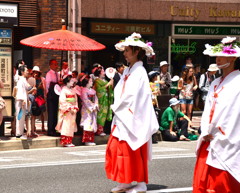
[(105, 99)]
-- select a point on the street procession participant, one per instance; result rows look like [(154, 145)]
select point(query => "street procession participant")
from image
[(104, 92), (218, 167), (134, 122), (68, 107), (89, 110)]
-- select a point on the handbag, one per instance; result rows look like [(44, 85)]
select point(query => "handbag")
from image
[(40, 101), (2, 103)]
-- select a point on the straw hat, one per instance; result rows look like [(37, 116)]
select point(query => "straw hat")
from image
[(135, 40), (213, 67), (228, 47)]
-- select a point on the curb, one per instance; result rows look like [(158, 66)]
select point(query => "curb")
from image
[(11, 143)]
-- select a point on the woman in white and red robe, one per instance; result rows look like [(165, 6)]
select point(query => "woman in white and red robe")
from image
[(134, 122), (217, 168)]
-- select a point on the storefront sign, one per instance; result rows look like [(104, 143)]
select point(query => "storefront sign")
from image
[(6, 70), (122, 28), (205, 30), (184, 49), (5, 36), (9, 14)]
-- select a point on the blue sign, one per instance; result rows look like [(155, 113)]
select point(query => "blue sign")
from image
[(5, 33), (5, 36)]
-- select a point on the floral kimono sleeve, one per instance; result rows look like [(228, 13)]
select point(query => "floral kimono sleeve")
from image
[(88, 104)]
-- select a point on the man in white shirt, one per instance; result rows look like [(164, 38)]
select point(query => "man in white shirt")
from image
[(206, 79)]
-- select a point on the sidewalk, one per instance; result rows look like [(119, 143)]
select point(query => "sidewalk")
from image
[(43, 141)]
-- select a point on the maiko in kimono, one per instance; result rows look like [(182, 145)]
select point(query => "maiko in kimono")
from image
[(89, 110), (68, 108)]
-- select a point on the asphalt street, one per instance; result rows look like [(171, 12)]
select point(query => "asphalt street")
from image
[(81, 169)]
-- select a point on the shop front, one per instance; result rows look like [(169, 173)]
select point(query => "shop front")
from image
[(188, 40), (181, 28)]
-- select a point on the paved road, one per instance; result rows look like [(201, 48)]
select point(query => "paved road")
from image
[(81, 169)]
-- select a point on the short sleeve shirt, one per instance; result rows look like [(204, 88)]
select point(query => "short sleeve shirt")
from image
[(169, 115)]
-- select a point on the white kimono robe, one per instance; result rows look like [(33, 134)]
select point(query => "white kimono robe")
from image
[(134, 116), (224, 149)]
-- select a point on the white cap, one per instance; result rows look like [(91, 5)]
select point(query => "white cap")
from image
[(163, 63), (213, 67), (173, 101), (175, 78), (36, 68)]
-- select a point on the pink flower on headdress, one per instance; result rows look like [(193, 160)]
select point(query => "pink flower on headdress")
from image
[(229, 50), (149, 44)]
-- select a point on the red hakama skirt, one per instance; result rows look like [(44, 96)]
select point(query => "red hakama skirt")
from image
[(64, 140), (125, 165), (208, 179), (88, 136)]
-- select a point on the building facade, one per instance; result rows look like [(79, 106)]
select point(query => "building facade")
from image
[(177, 29)]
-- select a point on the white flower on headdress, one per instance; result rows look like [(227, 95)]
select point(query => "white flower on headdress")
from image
[(135, 35), (228, 40)]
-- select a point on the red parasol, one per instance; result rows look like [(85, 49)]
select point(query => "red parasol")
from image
[(63, 40)]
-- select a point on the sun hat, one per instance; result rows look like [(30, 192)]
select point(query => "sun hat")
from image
[(152, 74), (163, 63), (173, 101), (36, 68), (228, 47), (110, 72), (175, 78), (213, 67), (135, 40)]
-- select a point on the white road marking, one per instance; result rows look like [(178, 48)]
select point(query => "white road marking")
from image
[(11, 159), (102, 152), (83, 161), (188, 189)]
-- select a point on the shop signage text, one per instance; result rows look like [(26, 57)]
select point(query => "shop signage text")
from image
[(184, 49), (8, 10), (184, 12), (205, 30), (194, 13), (122, 28)]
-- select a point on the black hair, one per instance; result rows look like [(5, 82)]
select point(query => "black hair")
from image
[(85, 81), (75, 71), (96, 65), (97, 72), (141, 53), (52, 60), (20, 61), (21, 70), (119, 65), (67, 79)]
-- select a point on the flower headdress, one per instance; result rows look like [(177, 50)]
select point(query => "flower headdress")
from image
[(228, 47), (135, 40)]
